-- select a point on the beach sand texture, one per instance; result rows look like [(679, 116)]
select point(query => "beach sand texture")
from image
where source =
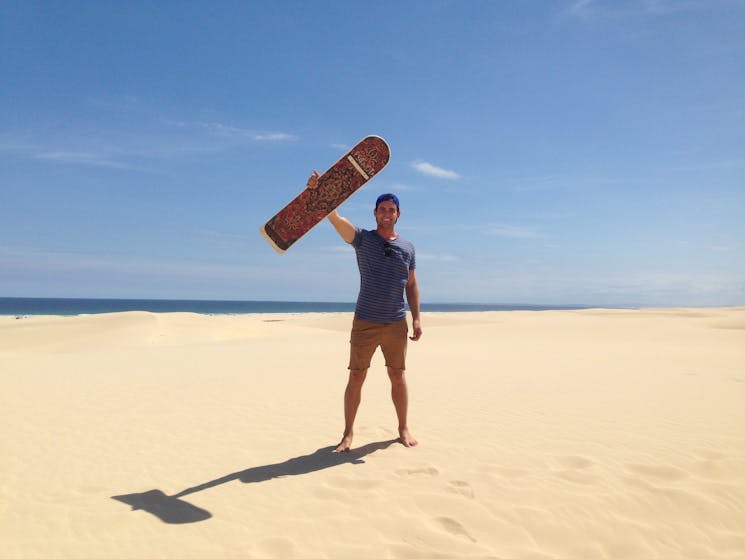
[(551, 434)]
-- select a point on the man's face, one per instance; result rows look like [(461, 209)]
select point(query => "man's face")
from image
[(386, 214)]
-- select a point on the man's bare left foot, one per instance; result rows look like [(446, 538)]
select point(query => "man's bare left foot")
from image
[(406, 438), (345, 445)]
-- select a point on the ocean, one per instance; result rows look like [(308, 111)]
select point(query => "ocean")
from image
[(22, 306)]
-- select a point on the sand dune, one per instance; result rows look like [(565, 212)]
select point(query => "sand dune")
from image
[(561, 434)]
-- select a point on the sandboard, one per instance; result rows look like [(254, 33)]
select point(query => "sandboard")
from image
[(335, 185)]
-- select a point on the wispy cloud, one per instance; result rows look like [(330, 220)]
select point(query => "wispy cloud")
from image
[(580, 7), (273, 137), (592, 9), (74, 152), (528, 184), (340, 249), (721, 248), (114, 148), (80, 158), (673, 288), (440, 257), (401, 187), (50, 261), (670, 6), (228, 131), (222, 239), (512, 231), (430, 170)]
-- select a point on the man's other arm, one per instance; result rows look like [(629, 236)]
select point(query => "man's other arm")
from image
[(412, 297)]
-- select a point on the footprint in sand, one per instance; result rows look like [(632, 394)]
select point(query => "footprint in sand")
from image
[(354, 483), (330, 494), (461, 488), (453, 527), (281, 548), (661, 473), (574, 462), (427, 471), (709, 454), (507, 473), (575, 469)]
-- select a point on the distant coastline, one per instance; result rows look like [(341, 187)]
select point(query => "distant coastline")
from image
[(21, 306)]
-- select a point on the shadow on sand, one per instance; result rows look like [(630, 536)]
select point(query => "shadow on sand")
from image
[(173, 510)]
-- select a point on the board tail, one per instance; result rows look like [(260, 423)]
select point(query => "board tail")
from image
[(269, 240)]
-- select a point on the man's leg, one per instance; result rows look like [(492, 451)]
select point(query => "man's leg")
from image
[(352, 398), (400, 397)]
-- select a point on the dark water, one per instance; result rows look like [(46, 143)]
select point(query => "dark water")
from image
[(68, 307)]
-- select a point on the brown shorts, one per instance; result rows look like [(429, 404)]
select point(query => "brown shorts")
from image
[(367, 336)]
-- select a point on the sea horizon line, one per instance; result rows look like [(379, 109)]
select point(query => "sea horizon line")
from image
[(97, 305)]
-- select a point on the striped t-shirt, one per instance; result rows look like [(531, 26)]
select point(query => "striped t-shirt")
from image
[(384, 271)]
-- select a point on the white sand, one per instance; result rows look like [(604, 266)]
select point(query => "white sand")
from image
[(578, 434)]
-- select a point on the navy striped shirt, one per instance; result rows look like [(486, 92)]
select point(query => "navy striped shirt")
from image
[(383, 277)]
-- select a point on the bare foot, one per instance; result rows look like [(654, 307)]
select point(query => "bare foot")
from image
[(345, 445), (406, 438)]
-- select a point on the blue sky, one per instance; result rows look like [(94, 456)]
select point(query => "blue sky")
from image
[(546, 152)]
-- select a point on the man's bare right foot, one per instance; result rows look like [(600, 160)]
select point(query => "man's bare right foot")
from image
[(406, 439), (345, 445)]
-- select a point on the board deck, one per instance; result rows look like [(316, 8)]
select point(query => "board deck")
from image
[(335, 186)]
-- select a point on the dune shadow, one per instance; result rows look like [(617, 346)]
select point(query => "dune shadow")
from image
[(172, 509)]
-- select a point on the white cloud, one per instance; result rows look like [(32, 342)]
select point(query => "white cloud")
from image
[(720, 248), (400, 187), (587, 9), (580, 6), (670, 6), (512, 231), (228, 131), (273, 137), (430, 170), (79, 158), (591, 9), (437, 257), (116, 149), (62, 261)]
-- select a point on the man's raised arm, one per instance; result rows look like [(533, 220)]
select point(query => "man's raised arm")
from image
[(343, 226)]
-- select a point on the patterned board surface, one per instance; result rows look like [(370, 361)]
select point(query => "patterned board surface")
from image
[(338, 183)]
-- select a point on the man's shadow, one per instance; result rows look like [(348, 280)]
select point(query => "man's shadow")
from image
[(173, 510)]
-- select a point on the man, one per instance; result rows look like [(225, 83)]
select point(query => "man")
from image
[(387, 271)]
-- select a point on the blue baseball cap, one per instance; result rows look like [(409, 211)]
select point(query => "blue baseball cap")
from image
[(387, 198)]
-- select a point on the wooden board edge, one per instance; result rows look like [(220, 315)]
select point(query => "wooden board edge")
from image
[(270, 240)]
